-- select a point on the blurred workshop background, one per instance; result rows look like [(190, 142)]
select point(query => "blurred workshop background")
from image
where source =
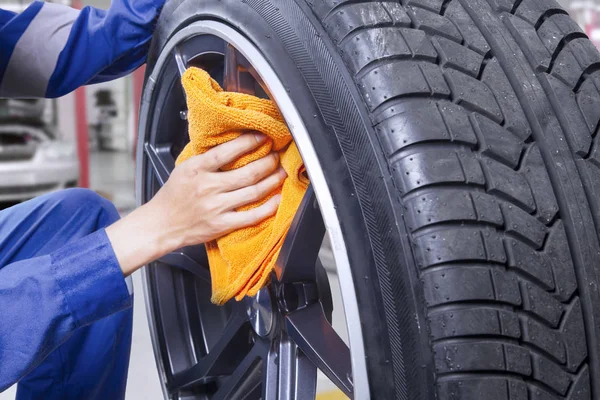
[(88, 139)]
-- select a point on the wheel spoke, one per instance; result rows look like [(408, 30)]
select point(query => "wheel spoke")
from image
[(300, 248), (287, 373), (270, 374), (305, 377), (247, 375), (297, 375), (231, 78), (162, 161), (180, 259), (309, 329), (287, 355), (324, 290), (222, 357), (252, 76), (181, 65), (237, 78)]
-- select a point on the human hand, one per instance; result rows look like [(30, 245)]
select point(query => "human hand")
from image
[(197, 203)]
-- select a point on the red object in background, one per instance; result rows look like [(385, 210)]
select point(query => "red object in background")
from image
[(81, 129), (138, 85), (587, 14), (81, 126), (81, 120)]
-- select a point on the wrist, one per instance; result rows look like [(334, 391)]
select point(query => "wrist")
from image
[(140, 237), (159, 231)]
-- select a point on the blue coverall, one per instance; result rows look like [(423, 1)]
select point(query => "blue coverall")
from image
[(65, 307)]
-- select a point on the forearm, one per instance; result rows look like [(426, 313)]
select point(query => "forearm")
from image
[(141, 237)]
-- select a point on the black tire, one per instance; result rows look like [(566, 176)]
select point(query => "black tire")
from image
[(459, 142)]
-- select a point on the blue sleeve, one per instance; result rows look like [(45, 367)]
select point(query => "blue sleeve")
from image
[(49, 49), (6, 16), (44, 299)]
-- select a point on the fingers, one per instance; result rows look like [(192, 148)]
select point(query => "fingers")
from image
[(249, 174), (228, 152), (243, 219), (259, 191)]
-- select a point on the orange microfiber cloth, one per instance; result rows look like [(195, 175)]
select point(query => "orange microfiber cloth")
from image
[(241, 262)]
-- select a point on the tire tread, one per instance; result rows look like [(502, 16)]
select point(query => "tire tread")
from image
[(505, 315)]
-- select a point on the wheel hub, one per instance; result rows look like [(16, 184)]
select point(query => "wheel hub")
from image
[(260, 312)]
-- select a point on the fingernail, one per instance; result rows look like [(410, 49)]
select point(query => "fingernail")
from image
[(282, 173), (259, 137), (276, 155), (277, 198)]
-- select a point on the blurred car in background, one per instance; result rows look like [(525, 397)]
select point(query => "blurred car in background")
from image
[(32, 160)]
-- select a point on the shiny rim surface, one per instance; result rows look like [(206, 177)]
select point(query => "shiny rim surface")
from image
[(286, 347)]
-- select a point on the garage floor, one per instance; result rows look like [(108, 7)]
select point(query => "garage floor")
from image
[(112, 174)]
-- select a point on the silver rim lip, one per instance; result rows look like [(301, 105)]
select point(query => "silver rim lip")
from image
[(315, 171)]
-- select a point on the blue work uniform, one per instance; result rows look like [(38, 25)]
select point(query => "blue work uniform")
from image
[(65, 307)]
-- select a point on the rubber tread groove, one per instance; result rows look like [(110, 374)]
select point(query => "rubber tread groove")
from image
[(563, 42), (504, 375), (547, 15), (584, 75)]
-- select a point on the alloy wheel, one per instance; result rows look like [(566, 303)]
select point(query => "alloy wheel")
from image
[(269, 346)]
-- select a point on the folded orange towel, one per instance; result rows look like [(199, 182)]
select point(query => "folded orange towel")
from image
[(241, 262)]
